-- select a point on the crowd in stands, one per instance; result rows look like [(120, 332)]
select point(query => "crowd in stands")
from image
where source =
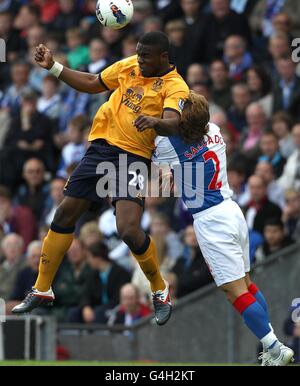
[(236, 53)]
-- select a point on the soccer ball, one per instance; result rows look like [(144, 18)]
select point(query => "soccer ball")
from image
[(114, 14)]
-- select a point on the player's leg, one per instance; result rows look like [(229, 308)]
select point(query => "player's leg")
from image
[(255, 291), (59, 239), (256, 319), (55, 246), (128, 215)]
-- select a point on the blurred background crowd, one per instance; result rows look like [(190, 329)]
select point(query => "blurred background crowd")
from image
[(237, 53)]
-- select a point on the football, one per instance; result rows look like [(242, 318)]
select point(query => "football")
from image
[(114, 14)]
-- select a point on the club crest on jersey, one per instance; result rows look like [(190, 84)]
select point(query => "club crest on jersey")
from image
[(133, 98), (132, 74), (157, 85), (121, 18)]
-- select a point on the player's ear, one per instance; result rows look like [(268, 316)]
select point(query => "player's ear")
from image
[(165, 55)]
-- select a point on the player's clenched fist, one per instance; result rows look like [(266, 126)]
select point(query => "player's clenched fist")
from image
[(43, 56)]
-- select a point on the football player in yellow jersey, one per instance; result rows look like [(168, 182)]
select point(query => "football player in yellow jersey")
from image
[(148, 94)]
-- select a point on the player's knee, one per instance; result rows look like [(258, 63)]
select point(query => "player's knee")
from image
[(64, 217), (127, 232)]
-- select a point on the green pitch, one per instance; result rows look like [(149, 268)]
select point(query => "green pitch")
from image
[(78, 363)]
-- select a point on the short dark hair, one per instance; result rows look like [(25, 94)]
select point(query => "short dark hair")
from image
[(274, 221), (156, 39), (99, 250)]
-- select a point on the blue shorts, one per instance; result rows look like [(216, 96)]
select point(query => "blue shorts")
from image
[(108, 171)]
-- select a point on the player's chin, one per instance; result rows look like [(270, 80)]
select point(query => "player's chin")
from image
[(145, 72)]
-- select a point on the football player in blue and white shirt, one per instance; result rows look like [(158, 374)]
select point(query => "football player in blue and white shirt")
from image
[(197, 158)]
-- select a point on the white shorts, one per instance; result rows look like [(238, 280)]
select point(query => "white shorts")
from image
[(223, 237)]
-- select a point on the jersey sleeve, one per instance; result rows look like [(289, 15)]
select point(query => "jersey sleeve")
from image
[(176, 94), (109, 77)]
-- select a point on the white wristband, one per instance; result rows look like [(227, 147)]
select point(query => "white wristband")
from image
[(56, 69)]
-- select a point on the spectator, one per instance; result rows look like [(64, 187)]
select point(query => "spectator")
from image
[(35, 35), (282, 23), (130, 309), (49, 10), (260, 209), (56, 196), (27, 276), (68, 16), (34, 193), (291, 212), (221, 84), (160, 227), (179, 52), (73, 104), (194, 21), (220, 24), (287, 87), (265, 170), (49, 103), (102, 289), (27, 17), (275, 240), (18, 219), (265, 11), (237, 181), (282, 124), (202, 88), (278, 47), (190, 269), (74, 151), (113, 38), (99, 56), (12, 247), (269, 146), (79, 52), (241, 98), (71, 280), (152, 24), (291, 174), (236, 56), (20, 85), (29, 136), (99, 60), (37, 74), (257, 124), (90, 234), (195, 74), (129, 46), (259, 84), (143, 9)]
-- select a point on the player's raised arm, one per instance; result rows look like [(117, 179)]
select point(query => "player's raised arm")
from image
[(80, 81)]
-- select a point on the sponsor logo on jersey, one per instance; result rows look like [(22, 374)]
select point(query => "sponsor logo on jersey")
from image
[(133, 98)]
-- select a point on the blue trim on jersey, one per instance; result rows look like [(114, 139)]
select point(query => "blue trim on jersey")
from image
[(194, 154)]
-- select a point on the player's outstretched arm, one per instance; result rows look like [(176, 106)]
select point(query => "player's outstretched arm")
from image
[(167, 126), (80, 81)]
